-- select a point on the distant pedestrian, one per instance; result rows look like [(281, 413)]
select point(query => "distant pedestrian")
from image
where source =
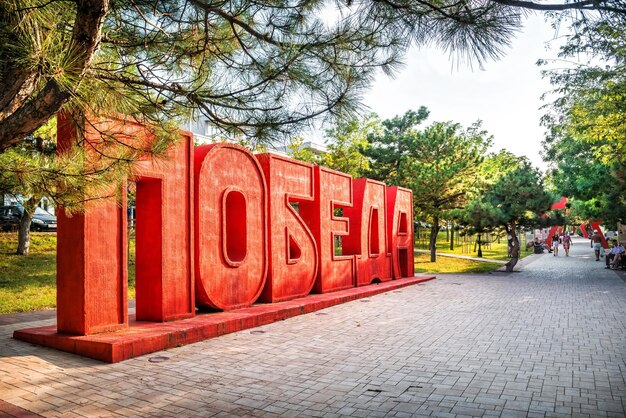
[(555, 243), (596, 241), (567, 242)]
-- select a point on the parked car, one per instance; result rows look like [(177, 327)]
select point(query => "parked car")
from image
[(42, 220)]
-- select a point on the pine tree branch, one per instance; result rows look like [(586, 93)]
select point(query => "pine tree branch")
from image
[(18, 85), (576, 5), (240, 23), (34, 112)]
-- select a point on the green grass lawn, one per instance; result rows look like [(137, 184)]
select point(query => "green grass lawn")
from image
[(29, 283), (451, 265), (494, 251)]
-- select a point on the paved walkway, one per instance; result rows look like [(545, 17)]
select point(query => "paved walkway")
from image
[(548, 341)]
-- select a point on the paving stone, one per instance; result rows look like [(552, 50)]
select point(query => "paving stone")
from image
[(546, 342)]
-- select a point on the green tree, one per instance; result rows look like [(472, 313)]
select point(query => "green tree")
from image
[(438, 164), (34, 170), (297, 151), (38, 151), (443, 168), (477, 217), (510, 195), (391, 149), (586, 121), (595, 188), (346, 143)]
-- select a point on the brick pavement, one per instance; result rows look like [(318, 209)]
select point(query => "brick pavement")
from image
[(548, 341)]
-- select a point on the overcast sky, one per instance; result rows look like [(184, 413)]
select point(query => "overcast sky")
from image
[(505, 94)]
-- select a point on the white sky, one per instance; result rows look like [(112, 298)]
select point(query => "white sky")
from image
[(505, 94)]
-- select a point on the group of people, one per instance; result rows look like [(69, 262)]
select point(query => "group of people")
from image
[(614, 258), (557, 240)]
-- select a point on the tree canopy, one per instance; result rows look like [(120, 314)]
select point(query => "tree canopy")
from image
[(586, 121), (251, 68), (511, 194), (437, 163), (392, 148), (346, 143)]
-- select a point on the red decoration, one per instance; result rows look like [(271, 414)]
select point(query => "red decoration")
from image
[(583, 228), (368, 237), (400, 231), (231, 227), (560, 205), (217, 228), (292, 248)]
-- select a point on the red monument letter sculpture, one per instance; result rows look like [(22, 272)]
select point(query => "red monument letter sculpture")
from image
[(231, 225), (400, 231), (368, 235), (292, 249), (551, 232), (96, 268), (333, 191), (203, 239), (583, 229), (92, 271), (164, 272)]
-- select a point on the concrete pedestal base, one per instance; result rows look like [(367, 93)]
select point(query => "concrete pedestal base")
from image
[(147, 337)]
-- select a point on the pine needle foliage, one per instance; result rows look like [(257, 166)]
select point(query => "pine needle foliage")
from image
[(257, 69)]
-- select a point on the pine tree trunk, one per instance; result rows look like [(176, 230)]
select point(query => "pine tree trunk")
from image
[(434, 230), (23, 233), (22, 116), (514, 250), (452, 238), (480, 246)]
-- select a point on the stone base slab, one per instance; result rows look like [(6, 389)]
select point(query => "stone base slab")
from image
[(147, 337)]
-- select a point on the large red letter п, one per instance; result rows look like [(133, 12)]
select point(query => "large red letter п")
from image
[(92, 246)]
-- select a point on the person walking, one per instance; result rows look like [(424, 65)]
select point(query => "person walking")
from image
[(555, 243), (567, 242), (596, 242)]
